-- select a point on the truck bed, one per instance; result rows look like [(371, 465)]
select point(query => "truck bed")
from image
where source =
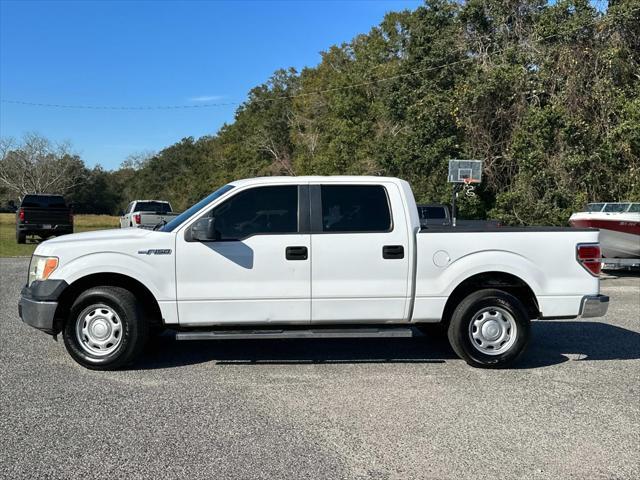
[(544, 260), (486, 229)]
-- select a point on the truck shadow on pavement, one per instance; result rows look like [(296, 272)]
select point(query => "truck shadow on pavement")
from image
[(552, 343)]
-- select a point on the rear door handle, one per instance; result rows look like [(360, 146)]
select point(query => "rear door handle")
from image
[(296, 253), (393, 252)]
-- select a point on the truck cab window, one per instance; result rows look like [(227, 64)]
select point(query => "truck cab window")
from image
[(158, 208), (355, 208), (260, 210)]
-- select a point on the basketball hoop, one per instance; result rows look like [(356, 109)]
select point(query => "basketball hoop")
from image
[(463, 174), (469, 186)]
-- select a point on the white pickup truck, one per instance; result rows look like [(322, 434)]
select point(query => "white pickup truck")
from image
[(309, 257), (147, 214)]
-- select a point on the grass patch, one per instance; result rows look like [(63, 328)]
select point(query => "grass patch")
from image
[(81, 223), (95, 222)]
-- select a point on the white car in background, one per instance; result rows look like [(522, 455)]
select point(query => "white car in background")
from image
[(147, 214)]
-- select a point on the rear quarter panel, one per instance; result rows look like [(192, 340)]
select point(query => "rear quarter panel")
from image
[(544, 260)]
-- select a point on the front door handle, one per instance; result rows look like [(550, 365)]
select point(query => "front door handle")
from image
[(392, 252), (296, 253)]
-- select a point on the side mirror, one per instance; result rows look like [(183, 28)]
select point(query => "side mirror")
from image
[(204, 230)]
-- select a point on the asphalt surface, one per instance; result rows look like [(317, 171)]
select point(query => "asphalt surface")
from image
[(375, 408)]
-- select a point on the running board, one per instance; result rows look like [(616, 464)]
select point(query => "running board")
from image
[(244, 334)]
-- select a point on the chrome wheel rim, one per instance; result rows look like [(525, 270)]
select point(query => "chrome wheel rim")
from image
[(99, 330), (493, 331)]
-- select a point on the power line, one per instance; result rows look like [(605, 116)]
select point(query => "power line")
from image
[(116, 107), (300, 95)]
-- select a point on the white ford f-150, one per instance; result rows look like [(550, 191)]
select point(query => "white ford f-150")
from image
[(309, 257)]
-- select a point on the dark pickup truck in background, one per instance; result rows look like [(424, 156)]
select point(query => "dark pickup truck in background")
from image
[(43, 215)]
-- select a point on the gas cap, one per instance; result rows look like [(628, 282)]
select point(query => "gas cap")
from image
[(441, 258)]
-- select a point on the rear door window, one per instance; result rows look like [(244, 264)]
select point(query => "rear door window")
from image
[(355, 208)]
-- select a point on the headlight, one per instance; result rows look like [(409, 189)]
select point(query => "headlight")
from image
[(41, 267)]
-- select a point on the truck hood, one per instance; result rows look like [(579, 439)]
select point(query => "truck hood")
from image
[(112, 235), (125, 240)]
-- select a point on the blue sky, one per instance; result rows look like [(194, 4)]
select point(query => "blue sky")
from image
[(155, 53)]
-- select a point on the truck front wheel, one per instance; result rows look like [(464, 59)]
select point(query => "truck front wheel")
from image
[(489, 328), (105, 329)]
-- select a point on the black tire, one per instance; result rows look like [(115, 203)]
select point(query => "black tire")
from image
[(460, 328), (134, 329), (21, 237)]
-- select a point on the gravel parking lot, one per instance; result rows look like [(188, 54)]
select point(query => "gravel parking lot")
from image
[(378, 408)]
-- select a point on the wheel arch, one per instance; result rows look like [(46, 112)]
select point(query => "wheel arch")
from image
[(504, 281), (148, 301)]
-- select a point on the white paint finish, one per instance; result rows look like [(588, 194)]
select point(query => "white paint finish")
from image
[(242, 281), (359, 310), (441, 258), (560, 306), (351, 281), (116, 251), (616, 244), (169, 311), (428, 309), (244, 312), (544, 260)]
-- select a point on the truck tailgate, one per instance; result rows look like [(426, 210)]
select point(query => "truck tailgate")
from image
[(46, 216)]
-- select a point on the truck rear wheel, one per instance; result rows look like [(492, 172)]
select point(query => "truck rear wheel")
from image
[(489, 328), (105, 329), (21, 237)]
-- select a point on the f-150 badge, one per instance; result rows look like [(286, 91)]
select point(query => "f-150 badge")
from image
[(155, 251)]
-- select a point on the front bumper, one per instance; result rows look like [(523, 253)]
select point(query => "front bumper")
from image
[(38, 304), (594, 306), (39, 315)]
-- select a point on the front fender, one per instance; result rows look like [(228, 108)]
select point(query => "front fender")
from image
[(156, 272)]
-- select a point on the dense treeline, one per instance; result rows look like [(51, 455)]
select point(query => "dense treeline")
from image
[(548, 96)]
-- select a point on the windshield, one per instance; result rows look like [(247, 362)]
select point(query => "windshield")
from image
[(155, 207), (635, 208), (616, 207), (173, 224), (594, 207)]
